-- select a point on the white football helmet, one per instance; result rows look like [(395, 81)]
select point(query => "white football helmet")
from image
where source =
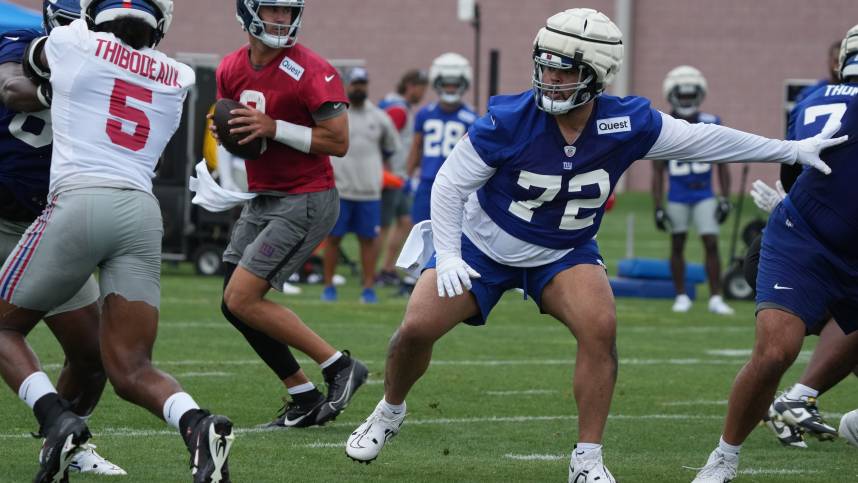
[(579, 39), (157, 13), (247, 13), (685, 88), (848, 50), (447, 69)]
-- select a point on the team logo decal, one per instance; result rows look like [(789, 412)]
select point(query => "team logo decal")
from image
[(570, 151)]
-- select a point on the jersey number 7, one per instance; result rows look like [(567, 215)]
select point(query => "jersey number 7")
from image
[(553, 184)]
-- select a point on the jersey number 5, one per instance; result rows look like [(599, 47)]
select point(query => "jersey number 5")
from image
[(553, 184), (121, 111)]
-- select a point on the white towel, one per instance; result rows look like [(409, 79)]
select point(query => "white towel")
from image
[(210, 195), (417, 250)]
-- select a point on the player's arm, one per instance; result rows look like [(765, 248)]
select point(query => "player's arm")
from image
[(17, 92), (329, 136), (658, 169), (415, 154), (711, 143)]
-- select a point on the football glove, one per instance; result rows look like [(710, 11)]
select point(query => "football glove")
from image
[(765, 197), (809, 149), (662, 222), (454, 276), (723, 210)]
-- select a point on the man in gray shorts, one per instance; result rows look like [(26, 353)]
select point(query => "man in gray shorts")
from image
[(690, 197), (300, 107)]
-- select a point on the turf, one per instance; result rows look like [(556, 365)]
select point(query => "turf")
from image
[(495, 405)]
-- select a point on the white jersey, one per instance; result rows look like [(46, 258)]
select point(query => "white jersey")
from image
[(114, 109)]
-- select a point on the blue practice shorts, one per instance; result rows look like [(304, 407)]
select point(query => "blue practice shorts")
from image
[(362, 218), (800, 275), (496, 278), (420, 208)]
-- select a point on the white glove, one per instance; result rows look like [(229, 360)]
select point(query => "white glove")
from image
[(453, 274), (765, 197), (809, 149)]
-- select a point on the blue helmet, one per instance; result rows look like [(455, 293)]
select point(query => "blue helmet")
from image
[(158, 14), (247, 13), (59, 12)]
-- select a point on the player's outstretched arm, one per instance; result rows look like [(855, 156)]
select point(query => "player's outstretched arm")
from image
[(17, 92), (710, 143)]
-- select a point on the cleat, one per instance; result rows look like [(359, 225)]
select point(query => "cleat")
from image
[(341, 388), (717, 306), (720, 468), (86, 460), (803, 414), (588, 469), (329, 294), (209, 442), (295, 415), (367, 296), (787, 435), (682, 303), (849, 427), (366, 441), (67, 433)]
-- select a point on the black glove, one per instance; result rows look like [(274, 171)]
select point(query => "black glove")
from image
[(723, 210), (662, 222)]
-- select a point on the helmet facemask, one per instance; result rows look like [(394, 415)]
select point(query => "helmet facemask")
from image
[(55, 15), (445, 95), (555, 98), (685, 99), (275, 35)]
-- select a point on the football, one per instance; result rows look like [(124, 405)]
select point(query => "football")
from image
[(221, 117)]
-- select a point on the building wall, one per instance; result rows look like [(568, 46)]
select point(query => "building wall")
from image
[(745, 48)]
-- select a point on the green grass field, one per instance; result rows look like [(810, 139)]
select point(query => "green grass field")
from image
[(495, 406)]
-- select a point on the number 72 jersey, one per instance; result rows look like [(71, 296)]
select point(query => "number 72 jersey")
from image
[(547, 192), (114, 108)]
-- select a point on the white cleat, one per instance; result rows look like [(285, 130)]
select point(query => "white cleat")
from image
[(849, 427), (717, 306), (588, 469), (720, 468), (366, 441), (86, 460), (787, 435), (682, 303)]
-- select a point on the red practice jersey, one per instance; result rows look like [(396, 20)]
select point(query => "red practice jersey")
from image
[(290, 88)]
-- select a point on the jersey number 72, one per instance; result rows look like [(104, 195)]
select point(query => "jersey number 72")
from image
[(553, 184)]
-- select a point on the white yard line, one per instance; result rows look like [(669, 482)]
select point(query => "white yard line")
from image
[(698, 402), (203, 374), (536, 457), (526, 392)]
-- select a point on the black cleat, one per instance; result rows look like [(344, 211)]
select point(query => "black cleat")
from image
[(804, 414), (342, 386), (209, 443), (62, 439), (296, 415)]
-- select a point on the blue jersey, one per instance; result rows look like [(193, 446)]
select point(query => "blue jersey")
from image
[(828, 204), (25, 138), (691, 182), (441, 131), (545, 191), (824, 105)]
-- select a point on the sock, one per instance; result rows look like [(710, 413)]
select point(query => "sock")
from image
[(300, 388), (331, 360), (304, 394), (176, 406), (395, 409), (34, 387), (800, 391), (588, 449), (715, 298), (729, 448), (47, 408)]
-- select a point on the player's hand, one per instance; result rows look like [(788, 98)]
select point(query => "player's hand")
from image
[(809, 149), (661, 220), (765, 197), (723, 210), (213, 128), (454, 276), (255, 123)]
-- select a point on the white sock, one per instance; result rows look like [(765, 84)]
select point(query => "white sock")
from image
[(34, 387), (729, 448), (588, 449), (331, 360), (395, 409), (301, 388), (176, 406), (716, 299), (800, 391)]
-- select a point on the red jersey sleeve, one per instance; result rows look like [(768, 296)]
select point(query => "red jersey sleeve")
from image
[(323, 85), (398, 115), (223, 92)]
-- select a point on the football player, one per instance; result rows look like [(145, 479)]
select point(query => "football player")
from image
[(116, 103), (439, 126), (819, 220), (25, 157), (690, 198), (518, 204), (296, 102), (836, 354)]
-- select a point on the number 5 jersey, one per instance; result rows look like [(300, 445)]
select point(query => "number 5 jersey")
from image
[(114, 109)]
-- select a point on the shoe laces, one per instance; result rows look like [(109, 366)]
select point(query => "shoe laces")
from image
[(717, 467)]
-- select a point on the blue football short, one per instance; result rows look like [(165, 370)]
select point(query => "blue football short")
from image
[(362, 218), (496, 278), (800, 275)]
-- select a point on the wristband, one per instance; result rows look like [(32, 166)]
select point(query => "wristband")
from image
[(293, 135)]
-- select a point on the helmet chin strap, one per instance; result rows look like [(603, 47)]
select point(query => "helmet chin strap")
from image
[(685, 111), (448, 98)]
